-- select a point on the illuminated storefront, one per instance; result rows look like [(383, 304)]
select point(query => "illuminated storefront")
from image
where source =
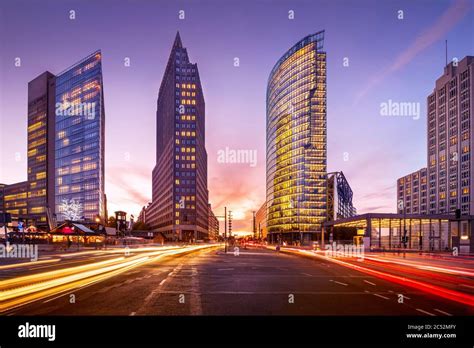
[(426, 232)]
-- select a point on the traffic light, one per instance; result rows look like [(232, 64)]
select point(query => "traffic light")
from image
[(230, 223)]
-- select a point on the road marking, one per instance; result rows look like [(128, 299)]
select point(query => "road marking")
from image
[(370, 282), (195, 305), (425, 312), (133, 313), (381, 296), (56, 297), (225, 269), (163, 281), (404, 296), (340, 283), (443, 312), (307, 274), (349, 293)]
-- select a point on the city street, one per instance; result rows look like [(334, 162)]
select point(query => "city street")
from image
[(205, 281)]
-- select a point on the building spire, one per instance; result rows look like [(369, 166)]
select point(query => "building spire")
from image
[(177, 41)]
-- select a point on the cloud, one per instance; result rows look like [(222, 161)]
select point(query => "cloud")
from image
[(425, 39), (126, 186)]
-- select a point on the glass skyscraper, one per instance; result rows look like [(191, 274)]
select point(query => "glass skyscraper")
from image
[(79, 144), (296, 142), (179, 207), (41, 133)]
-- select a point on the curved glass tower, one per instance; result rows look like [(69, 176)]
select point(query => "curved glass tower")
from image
[(296, 142)]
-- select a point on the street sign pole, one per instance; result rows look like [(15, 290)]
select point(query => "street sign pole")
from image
[(225, 229)]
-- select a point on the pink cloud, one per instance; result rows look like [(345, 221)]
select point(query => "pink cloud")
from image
[(425, 39)]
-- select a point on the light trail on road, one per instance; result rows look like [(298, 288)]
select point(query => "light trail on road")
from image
[(25, 289), (449, 294)]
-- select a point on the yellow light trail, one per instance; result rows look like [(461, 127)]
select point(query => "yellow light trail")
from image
[(27, 289)]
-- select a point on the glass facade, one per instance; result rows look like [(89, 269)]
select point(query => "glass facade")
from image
[(79, 144), (15, 198), (296, 141), (41, 98)]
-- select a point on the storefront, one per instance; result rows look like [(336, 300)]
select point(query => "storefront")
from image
[(416, 232)]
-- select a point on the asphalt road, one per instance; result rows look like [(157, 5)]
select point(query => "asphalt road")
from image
[(255, 282)]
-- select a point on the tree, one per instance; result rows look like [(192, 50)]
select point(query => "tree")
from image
[(71, 209), (111, 222)]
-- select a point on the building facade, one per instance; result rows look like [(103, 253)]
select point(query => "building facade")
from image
[(2, 203), (296, 142), (41, 135), (451, 140), (447, 184), (15, 200), (340, 196), (179, 206), (261, 222), (213, 225), (412, 193), (80, 141)]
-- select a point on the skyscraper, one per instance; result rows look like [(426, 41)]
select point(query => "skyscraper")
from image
[(179, 207), (451, 140), (79, 147), (447, 184), (41, 135), (296, 142)]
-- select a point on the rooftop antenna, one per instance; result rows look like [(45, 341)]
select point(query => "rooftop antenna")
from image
[(446, 44)]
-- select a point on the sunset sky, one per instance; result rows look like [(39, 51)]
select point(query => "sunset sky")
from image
[(389, 59)]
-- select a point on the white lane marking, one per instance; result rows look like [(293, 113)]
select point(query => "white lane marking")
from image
[(225, 269), (307, 274), (443, 312), (381, 296), (425, 312), (370, 282), (340, 283), (56, 297), (163, 281), (405, 296), (195, 305)]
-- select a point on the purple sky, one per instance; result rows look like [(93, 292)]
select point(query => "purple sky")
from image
[(388, 59)]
